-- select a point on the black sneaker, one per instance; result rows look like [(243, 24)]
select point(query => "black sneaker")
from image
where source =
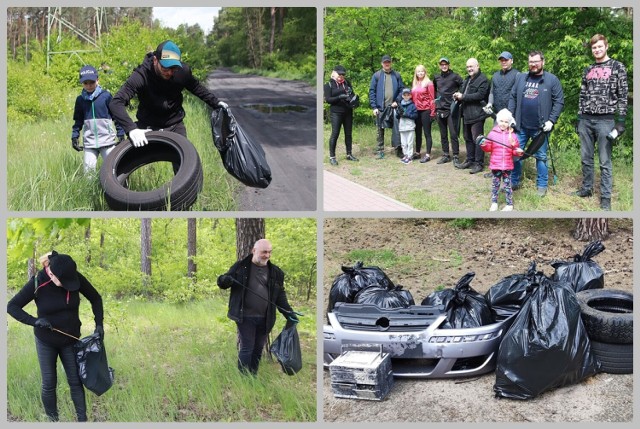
[(416, 156), (476, 168), (456, 161), (582, 193), (399, 153), (464, 165), (444, 159), (333, 161), (605, 203), (425, 158), (351, 157)]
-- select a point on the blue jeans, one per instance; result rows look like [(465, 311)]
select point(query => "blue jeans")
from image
[(48, 358), (594, 132), (252, 334), (542, 181)]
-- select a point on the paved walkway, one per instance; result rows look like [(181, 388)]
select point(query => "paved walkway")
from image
[(341, 194)]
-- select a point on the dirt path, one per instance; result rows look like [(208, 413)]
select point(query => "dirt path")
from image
[(288, 137), (431, 253)]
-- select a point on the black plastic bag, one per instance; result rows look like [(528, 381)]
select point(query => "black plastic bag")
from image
[(353, 279), (243, 158), (286, 349), (386, 117), (506, 297), (93, 368), (465, 308), (385, 298), (546, 346), (582, 273)]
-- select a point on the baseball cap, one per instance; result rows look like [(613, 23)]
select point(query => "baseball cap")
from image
[(506, 55), (385, 58), (340, 70), (64, 268), (88, 73), (406, 90), (445, 59), (168, 54)]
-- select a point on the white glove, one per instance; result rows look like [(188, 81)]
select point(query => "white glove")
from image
[(138, 137), (488, 109), (223, 104), (375, 112), (547, 126)]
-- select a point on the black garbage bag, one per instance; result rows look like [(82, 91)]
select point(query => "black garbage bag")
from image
[(93, 368), (582, 272), (242, 157), (385, 298), (386, 118), (506, 297), (286, 348), (465, 308), (546, 346), (353, 279)]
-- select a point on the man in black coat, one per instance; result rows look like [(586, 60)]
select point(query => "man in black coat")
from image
[(158, 82), (473, 95), (446, 84), (257, 290)]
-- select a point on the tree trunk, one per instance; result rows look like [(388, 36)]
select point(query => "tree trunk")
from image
[(87, 242), (191, 247), (248, 231), (145, 249), (101, 249), (31, 268), (273, 29), (590, 229)]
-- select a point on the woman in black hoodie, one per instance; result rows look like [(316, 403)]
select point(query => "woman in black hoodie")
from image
[(56, 292)]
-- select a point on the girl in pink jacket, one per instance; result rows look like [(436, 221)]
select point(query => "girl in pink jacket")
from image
[(503, 145)]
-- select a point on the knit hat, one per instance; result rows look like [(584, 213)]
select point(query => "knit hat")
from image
[(64, 268), (168, 54), (88, 73), (340, 70)]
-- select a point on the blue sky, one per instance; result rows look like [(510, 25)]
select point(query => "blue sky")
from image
[(174, 16)]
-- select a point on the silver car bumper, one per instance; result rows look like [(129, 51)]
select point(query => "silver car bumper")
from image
[(413, 337)]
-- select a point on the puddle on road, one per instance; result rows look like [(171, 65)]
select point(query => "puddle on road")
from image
[(275, 108)]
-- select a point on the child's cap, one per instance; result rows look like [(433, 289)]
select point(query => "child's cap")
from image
[(406, 91), (168, 54), (504, 114), (88, 73)]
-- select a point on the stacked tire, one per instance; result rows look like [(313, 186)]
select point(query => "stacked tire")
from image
[(608, 318), (178, 194)]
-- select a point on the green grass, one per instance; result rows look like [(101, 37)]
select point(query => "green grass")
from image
[(432, 187), (45, 174), (173, 363)]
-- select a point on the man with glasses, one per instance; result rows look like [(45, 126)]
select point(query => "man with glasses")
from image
[(158, 82), (536, 103), (603, 93)]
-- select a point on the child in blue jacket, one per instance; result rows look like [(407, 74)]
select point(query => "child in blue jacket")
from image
[(91, 113), (407, 113)]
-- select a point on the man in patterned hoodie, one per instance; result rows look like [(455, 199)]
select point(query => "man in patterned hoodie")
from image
[(603, 93)]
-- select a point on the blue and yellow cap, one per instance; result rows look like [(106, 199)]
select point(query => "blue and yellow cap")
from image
[(168, 54)]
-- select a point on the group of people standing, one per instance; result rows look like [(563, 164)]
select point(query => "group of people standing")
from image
[(532, 102)]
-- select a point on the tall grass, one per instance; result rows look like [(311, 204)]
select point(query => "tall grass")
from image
[(45, 173), (173, 363)]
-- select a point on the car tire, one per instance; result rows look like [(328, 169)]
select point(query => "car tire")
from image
[(178, 194), (613, 358), (607, 315)]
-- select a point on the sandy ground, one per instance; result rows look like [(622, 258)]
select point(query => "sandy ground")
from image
[(439, 255), (288, 138)]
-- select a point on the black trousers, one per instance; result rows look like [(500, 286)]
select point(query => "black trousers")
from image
[(48, 358), (344, 119), (470, 131), (423, 125), (446, 127), (178, 128), (252, 336)]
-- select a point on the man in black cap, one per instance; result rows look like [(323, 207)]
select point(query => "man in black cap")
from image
[(501, 83), (158, 82), (385, 91), (56, 292), (446, 83), (257, 290)]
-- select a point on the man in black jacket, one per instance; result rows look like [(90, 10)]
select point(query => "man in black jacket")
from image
[(158, 82), (257, 289), (445, 84), (473, 95)]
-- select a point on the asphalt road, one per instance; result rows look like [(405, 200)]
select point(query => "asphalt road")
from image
[(281, 116)]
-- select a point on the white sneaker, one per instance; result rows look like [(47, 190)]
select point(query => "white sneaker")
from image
[(507, 208), (494, 207)]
